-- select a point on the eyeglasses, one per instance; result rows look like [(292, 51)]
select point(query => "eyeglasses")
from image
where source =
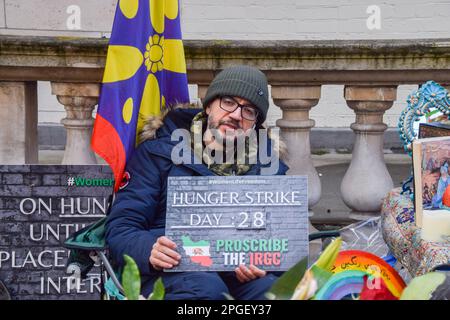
[(228, 104)]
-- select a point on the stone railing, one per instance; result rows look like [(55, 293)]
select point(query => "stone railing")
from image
[(369, 70)]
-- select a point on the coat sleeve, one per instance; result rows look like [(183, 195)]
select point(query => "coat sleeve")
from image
[(130, 225)]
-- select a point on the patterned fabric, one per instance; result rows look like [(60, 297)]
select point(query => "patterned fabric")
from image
[(403, 237), (223, 169)]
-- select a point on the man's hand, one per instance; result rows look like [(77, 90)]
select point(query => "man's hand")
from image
[(163, 254), (245, 274)]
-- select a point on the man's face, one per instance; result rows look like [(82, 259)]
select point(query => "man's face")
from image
[(228, 123)]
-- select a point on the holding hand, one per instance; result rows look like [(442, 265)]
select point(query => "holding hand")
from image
[(163, 255), (245, 274)]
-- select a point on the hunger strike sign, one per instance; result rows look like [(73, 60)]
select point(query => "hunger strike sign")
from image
[(221, 222)]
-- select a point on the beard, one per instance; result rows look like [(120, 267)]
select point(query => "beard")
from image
[(216, 124), (217, 139), (233, 144)]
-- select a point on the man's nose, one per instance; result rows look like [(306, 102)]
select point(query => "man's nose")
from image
[(236, 114)]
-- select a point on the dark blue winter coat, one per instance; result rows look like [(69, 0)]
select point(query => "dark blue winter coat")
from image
[(137, 217)]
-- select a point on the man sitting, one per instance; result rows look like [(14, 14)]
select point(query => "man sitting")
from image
[(236, 102)]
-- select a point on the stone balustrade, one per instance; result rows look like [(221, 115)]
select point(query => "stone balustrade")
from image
[(79, 100), (296, 70)]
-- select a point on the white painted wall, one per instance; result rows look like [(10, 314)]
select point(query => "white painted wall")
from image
[(244, 20)]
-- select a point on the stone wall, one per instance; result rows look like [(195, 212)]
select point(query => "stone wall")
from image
[(242, 20)]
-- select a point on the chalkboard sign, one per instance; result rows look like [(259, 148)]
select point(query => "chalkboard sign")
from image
[(40, 207), (219, 223)]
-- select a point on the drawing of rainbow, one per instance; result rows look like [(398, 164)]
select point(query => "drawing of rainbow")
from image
[(349, 270), (341, 285)]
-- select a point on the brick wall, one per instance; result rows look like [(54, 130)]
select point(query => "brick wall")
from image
[(314, 19), (244, 19)]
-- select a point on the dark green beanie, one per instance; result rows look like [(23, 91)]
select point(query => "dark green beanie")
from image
[(241, 81)]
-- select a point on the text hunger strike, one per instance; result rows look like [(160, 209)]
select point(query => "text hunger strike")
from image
[(192, 198)]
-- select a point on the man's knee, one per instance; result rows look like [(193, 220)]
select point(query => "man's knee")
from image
[(197, 286), (256, 289)]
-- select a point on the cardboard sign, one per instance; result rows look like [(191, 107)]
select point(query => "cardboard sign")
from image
[(40, 207), (219, 223)]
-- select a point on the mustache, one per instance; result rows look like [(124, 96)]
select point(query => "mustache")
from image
[(232, 123)]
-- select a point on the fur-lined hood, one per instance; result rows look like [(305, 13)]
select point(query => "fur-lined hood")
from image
[(153, 123)]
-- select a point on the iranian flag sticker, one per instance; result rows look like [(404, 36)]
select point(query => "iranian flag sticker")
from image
[(197, 251)]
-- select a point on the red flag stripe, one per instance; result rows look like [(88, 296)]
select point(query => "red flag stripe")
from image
[(107, 144)]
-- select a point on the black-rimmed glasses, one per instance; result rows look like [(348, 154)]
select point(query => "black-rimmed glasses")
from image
[(228, 104)]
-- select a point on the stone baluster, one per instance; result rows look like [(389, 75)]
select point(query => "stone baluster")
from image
[(18, 133), (295, 125), (79, 100), (367, 180)]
